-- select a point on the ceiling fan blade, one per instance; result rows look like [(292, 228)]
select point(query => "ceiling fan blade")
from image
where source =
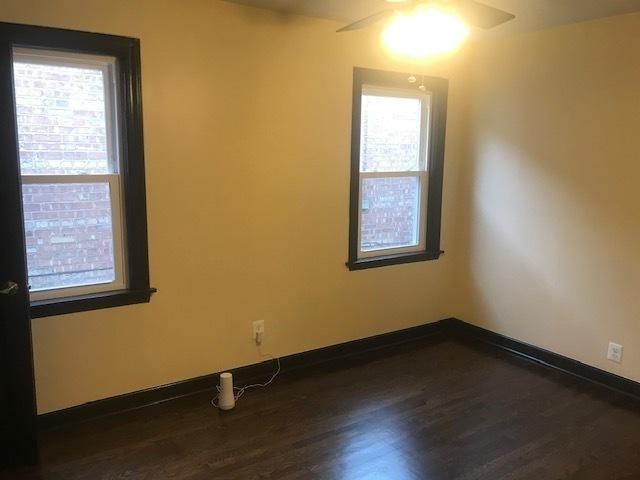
[(367, 21), (481, 15)]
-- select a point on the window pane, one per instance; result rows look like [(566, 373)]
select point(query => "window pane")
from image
[(390, 213), (390, 134), (62, 119), (69, 234)]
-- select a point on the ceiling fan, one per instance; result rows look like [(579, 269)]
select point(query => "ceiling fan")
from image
[(471, 12)]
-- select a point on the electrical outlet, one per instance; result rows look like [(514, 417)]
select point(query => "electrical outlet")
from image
[(258, 331), (615, 352)]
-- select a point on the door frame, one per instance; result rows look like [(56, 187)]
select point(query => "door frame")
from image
[(19, 444)]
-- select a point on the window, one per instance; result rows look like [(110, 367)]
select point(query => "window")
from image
[(76, 103), (396, 168), (69, 161)]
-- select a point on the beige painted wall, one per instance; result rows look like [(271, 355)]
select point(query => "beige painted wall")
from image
[(247, 136), (550, 253)]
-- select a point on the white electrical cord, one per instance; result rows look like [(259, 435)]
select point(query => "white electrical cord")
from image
[(239, 391)]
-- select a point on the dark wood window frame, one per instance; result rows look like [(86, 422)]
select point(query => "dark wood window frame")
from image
[(127, 52), (438, 87)]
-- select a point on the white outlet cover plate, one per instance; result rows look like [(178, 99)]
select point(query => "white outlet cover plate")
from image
[(614, 352), (258, 331), (258, 326)]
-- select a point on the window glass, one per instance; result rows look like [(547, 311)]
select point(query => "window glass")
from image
[(390, 213), (390, 134), (69, 234), (62, 119)]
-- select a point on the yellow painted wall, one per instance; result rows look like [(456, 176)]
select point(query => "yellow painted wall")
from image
[(247, 120), (550, 250), (247, 124)]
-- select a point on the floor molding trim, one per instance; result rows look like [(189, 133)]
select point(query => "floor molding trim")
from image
[(460, 329), (343, 354), (356, 350)]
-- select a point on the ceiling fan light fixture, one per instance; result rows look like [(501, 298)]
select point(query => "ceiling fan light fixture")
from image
[(426, 31)]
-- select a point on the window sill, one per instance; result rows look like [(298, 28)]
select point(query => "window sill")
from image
[(95, 301), (398, 259)]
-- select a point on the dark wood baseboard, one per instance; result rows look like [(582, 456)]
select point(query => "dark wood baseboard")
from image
[(344, 353), (462, 330)]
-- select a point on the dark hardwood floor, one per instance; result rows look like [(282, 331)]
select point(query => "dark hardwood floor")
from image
[(434, 409)]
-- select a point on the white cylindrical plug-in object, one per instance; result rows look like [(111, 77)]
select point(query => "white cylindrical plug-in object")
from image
[(226, 399)]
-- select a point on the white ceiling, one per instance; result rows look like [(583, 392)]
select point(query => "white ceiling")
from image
[(530, 14)]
